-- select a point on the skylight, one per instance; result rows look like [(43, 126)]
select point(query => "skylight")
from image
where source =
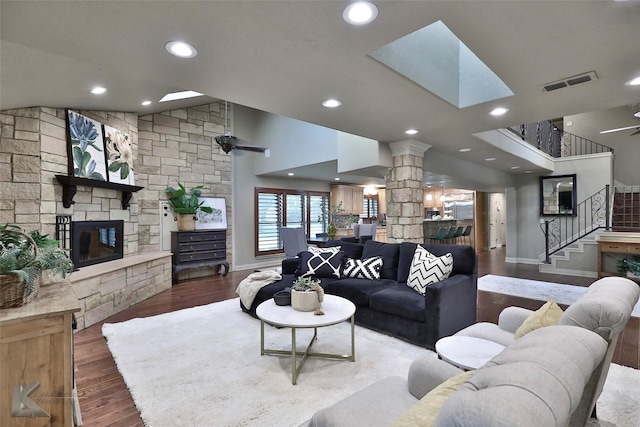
[(434, 58)]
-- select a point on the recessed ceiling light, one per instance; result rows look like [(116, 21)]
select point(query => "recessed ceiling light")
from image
[(290, 174), (498, 111), (637, 114), (490, 159), (180, 95), (98, 90), (146, 102), (360, 13), (464, 150), (336, 179), (412, 131), (515, 167), (331, 103), (181, 49), (528, 171), (633, 82)]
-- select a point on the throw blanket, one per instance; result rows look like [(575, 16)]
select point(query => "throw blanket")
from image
[(249, 287)]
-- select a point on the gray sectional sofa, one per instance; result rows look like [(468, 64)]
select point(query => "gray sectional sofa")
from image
[(388, 305), (549, 377)]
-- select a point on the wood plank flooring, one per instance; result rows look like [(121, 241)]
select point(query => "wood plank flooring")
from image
[(106, 401)]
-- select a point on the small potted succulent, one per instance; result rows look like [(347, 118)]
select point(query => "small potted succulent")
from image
[(306, 294), (185, 204)]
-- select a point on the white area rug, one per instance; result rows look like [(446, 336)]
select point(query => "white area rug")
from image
[(542, 291), (202, 367)]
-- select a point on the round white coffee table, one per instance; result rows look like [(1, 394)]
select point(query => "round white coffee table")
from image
[(336, 310), (467, 352)]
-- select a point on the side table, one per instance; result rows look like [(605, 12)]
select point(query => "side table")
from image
[(195, 249), (467, 352)]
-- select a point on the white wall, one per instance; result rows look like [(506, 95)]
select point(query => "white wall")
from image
[(593, 173)]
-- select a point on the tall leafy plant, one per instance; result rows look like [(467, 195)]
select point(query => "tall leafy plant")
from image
[(186, 202)]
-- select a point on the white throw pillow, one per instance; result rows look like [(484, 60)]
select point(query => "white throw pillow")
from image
[(329, 250), (367, 268), (427, 269)]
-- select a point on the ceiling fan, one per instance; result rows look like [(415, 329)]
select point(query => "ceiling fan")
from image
[(229, 142), (636, 127)]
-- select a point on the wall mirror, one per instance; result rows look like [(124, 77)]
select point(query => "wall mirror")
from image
[(558, 195)]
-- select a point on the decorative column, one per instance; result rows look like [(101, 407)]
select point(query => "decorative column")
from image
[(405, 208)]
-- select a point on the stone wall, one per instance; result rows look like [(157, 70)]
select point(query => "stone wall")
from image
[(179, 145), (33, 149)]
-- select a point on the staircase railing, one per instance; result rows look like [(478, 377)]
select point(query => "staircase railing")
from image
[(591, 214), (546, 137)]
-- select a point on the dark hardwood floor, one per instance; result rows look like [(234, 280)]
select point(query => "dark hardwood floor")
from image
[(106, 401)]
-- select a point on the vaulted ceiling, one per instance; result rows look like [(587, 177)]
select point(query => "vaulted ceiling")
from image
[(286, 57)]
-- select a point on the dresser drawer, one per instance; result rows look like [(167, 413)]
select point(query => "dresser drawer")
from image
[(614, 247), (201, 236), (201, 256), (633, 248), (202, 246)]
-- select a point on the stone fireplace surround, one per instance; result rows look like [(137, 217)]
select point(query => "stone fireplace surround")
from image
[(167, 146)]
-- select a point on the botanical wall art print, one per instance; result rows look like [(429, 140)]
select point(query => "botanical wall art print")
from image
[(119, 156), (86, 147), (216, 220)]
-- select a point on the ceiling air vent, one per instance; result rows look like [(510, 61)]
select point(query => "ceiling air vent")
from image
[(570, 81)]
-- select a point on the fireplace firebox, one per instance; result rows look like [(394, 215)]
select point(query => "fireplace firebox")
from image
[(93, 242)]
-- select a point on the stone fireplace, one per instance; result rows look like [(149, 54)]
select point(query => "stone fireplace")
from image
[(93, 242)]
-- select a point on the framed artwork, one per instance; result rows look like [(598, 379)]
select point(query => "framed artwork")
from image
[(86, 147), (119, 156), (217, 220), (558, 195)]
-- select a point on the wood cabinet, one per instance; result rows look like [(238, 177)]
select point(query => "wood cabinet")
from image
[(613, 246), (350, 196), (195, 249), (36, 347)]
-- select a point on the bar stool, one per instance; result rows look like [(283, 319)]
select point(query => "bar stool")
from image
[(458, 233), (467, 233), (451, 233), (439, 236)]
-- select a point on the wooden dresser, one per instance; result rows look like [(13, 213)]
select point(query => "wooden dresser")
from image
[(36, 346), (195, 249), (613, 246)]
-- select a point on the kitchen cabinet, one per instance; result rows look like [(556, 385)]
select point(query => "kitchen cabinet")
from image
[(350, 196)]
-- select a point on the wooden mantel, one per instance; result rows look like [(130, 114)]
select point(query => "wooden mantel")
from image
[(70, 183)]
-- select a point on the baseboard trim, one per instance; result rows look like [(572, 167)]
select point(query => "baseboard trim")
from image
[(516, 260)]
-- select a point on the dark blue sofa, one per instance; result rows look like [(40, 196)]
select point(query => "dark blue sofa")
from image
[(388, 305)]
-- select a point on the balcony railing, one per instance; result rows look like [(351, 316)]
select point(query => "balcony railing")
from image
[(546, 137)]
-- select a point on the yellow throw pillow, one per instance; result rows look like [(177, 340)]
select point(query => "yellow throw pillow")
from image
[(547, 315), (424, 413)]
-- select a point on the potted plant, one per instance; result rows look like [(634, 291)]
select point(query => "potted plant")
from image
[(23, 258), (630, 267), (306, 294), (185, 204), (336, 215)]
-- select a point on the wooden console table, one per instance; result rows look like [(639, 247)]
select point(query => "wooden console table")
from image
[(195, 249), (615, 245), (36, 347)]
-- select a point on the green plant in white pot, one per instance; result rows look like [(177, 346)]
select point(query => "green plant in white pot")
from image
[(307, 294), (185, 204)]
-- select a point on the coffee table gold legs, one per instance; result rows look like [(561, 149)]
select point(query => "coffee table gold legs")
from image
[(297, 367)]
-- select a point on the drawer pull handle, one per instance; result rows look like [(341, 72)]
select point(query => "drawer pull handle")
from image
[(191, 257)]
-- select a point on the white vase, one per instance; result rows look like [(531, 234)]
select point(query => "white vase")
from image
[(304, 300)]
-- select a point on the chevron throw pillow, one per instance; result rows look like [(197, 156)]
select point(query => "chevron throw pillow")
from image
[(427, 269), (367, 268)]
